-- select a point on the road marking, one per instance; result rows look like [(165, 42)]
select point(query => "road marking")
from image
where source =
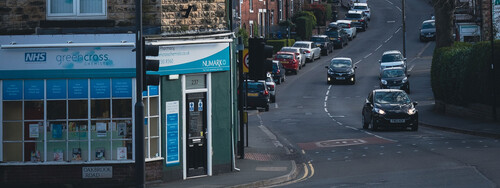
[(378, 47), (388, 39), (399, 9), (391, 21), (411, 68), (339, 123), (326, 110), (367, 55), (276, 105), (359, 61), (389, 2), (397, 30)]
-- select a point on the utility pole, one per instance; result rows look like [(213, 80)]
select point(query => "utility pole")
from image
[(241, 148), (492, 41), (139, 105), (404, 28)]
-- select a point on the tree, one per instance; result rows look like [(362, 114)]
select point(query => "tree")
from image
[(444, 14)]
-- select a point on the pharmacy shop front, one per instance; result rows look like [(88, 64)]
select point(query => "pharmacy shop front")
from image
[(67, 104)]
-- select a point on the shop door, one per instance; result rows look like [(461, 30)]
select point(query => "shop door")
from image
[(196, 126)]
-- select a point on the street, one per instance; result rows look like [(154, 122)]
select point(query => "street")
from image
[(321, 123)]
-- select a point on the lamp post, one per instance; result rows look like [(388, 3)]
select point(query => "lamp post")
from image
[(404, 28), (493, 75), (139, 105)]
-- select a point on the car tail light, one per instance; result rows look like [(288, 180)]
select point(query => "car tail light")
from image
[(266, 92), (271, 86), (348, 25), (297, 54), (307, 51)]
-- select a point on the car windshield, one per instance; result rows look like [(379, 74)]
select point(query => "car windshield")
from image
[(332, 33), (391, 57), (340, 64), (269, 79), (318, 39), (391, 97), (393, 73), (288, 50), (360, 7), (428, 25), (284, 56), (301, 45), (255, 86), (353, 16)]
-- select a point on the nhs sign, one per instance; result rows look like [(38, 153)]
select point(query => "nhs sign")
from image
[(35, 57)]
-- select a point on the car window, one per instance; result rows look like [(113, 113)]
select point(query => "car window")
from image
[(332, 33), (360, 7), (340, 64), (301, 45), (353, 16), (393, 73), (428, 25), (391, 97), (269, 79), (318, 39), (288, 50), (344, 25), (284, 56), (391, 57), (255, 86)]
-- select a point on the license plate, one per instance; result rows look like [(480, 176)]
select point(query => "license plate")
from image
[(284, 62), (340, 78), (396, 87), (397, 120), (429, 35), (253, 94)]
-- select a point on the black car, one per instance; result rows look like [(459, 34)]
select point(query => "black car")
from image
[(339, 37), (428, 30), (358, 19), (257, 95), (395, 78), (323, 42), (278, 72), (390, 108), (341, 69)]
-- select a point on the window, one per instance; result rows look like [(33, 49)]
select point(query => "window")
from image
[(251, 5), (67, 120), (151, 102), (71, 9)]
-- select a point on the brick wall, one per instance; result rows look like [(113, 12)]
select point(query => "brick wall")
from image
[(206, 15)]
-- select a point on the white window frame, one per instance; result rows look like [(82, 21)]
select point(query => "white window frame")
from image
[(76, 13)]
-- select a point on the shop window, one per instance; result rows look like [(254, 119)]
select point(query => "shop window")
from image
[(49, 120), (152, 123), (76, 8)]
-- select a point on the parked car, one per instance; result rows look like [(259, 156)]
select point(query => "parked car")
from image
[(349, 3), (428, 30), (341, 69), (362, 7), (271, 86), (278, 73), (324, 43), (289, 61), (312, 52), (339, 37), (395, 78), (358, 19), (392, 58), (347, 26), (257, 95), (301, 54), (391, 108)]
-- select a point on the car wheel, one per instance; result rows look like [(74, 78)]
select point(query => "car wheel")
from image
[(341, 45), (273, 99), (284, 78), (365, 124), (279, 81), (415, 127), (296, 72), (373, 125)]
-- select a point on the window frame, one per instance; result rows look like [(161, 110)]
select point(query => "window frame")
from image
[(76, 13)]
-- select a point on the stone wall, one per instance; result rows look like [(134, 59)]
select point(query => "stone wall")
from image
[(21, 16), (205, 15)]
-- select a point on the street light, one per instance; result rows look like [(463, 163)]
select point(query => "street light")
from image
[(404, 27)]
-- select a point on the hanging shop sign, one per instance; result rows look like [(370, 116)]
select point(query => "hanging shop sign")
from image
[(193, 58)]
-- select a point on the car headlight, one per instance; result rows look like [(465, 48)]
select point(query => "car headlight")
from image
[(412, 111), (405, 80), (383, 82), (379, 111)]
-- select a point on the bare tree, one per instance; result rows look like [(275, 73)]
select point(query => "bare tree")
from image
[(444, 14)]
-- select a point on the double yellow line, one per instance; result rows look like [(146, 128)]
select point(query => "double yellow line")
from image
[(308, 173)]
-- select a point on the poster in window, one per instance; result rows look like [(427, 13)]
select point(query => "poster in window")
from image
[(73, 127), (77, 154), (56, 131), (58, 155), (121, 153), (35, 156), (99, 154), (101, 129), (122, 129), (34, 131)]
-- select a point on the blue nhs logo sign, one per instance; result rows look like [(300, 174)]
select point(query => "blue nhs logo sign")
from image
[(35, 57)]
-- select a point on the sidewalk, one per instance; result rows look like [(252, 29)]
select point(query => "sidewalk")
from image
[(266, 163)]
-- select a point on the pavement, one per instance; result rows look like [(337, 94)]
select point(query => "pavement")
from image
[(267, 162)]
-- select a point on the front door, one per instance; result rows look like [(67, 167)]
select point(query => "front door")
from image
[(196, 129)]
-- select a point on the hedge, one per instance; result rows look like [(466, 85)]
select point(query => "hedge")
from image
[(304, 28), (278, 44), (461, 75)]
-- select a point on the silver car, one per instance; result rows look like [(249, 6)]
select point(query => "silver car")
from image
[(312, 51), (299, 53), (392, 58)]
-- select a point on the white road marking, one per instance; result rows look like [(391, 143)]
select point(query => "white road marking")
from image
[(399, 9), (276, 105), (326, 110), (339, 123), (378, 47), (397, 30), (411, 68), (388, 39), (389, 2), (391, 21), (359, 60), (367, 55)]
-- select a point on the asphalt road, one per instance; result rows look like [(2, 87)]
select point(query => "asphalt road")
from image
[(321, 123)]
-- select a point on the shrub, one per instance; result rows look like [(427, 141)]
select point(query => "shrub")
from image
[(278, 44), (304, 28)]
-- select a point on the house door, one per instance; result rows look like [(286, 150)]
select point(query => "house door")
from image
[(196, 129)]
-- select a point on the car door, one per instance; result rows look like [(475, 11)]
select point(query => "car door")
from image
[(316, 49)]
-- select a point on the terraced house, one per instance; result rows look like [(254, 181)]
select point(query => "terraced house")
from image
[(68, 89)]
